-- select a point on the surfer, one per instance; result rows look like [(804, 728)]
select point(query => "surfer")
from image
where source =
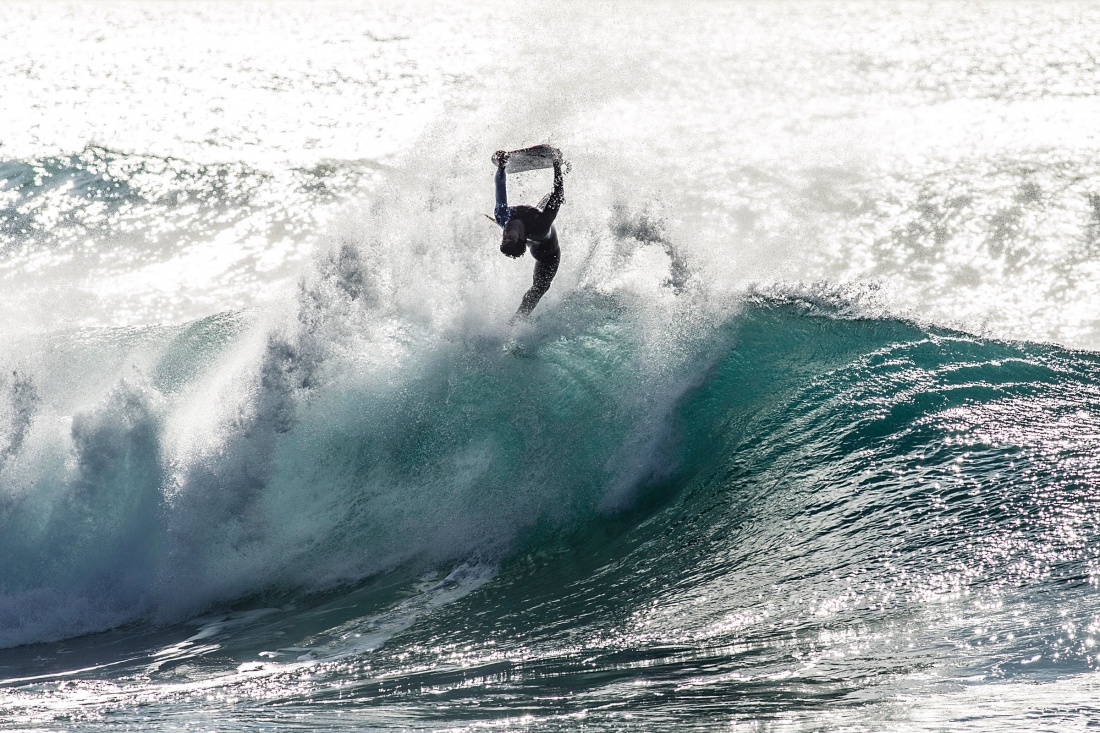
[(530, 228)]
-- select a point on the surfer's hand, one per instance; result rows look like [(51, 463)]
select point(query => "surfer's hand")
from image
[(500, 157)]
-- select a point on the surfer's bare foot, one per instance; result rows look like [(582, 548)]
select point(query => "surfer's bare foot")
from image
[(500, 157)]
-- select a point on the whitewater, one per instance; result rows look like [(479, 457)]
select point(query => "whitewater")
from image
[(803, 437)]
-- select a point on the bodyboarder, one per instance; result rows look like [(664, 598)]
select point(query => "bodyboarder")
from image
[(527, 228)]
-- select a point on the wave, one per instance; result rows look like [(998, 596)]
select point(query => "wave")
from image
[(248, 457), (382, 420), (153, 473)]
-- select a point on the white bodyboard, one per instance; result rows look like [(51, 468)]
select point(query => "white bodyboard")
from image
[(532, 159)]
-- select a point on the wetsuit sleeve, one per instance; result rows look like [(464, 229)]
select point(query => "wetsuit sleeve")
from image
[(501, 213), (548, 207), (557, 196)]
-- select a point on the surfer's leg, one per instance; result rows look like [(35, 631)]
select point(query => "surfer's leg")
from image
[(545, 270), (501, 212)]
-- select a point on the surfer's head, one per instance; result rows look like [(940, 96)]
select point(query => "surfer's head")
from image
[(514, 241)]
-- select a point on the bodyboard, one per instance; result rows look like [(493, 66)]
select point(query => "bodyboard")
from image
[(532, 159)]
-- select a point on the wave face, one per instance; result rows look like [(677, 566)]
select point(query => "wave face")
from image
[(803, 436), (831, 514)]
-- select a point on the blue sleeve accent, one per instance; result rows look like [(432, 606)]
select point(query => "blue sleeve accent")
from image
[(502, 213)]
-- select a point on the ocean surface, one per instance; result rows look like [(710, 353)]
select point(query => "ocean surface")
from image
[(804, 437)]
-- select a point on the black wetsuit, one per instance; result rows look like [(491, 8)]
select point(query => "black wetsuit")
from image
[(542, 240)]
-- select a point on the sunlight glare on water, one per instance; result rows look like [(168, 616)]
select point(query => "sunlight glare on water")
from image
[(212, 191)]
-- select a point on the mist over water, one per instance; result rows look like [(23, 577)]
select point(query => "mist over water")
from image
[(802, 437)]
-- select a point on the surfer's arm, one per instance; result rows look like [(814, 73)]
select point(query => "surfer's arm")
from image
[(557, 196), (501, 213)]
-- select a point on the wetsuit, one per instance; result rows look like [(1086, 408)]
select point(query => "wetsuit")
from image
[(542, 240)]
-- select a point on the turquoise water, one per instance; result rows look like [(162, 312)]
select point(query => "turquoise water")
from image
[(802, 438), (837, 515)]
